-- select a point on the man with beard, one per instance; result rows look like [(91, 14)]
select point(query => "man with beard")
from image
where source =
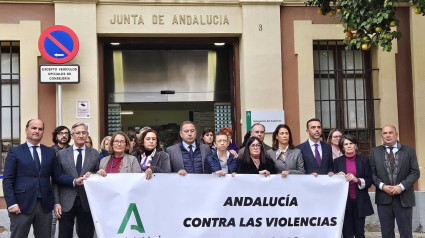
[(61, 137), (317, 154)]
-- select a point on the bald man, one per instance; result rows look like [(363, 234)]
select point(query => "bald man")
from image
[(394, 172), (27, 190)]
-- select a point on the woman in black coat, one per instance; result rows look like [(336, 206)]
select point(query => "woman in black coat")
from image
[(358, 173), (254, 159)]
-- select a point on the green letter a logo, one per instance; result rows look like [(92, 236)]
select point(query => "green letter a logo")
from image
[(139, 227)]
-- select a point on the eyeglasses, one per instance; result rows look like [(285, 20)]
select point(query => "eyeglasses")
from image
[(255, 146), (81, 133), (119, 142), (335, 137), (63, 133)]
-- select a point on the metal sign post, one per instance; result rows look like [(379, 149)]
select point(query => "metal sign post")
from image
[(59, 44), (59, 88)]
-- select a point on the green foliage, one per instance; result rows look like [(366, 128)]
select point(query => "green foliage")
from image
[(367, 23)]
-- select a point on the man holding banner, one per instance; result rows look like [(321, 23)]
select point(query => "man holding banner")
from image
[(71, 203), (317, 155), (189, 156)]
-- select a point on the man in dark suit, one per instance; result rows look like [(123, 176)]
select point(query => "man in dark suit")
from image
[(60, 137), (189, 156), (26, 183), (394, 171), (71, 203), (317, 155)]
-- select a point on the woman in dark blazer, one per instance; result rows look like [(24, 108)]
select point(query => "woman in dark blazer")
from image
[(254, 159), (286, 158), (150, 156), (358, 173)]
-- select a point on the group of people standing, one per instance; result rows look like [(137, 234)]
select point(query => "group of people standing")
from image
[(392, 168)]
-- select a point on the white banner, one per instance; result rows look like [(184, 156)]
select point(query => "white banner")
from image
[(169, 205)]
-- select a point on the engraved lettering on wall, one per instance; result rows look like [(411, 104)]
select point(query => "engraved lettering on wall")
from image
[(177, 19)]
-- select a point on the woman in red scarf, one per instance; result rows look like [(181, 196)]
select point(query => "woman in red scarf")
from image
[(119, 160)]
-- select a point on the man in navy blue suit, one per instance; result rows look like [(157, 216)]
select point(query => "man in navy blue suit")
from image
[(28, 170), (317, 155)]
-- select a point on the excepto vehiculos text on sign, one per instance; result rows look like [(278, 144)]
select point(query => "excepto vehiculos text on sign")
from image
[(59, 73)]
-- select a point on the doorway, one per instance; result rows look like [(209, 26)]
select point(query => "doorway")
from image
[(161, 82)]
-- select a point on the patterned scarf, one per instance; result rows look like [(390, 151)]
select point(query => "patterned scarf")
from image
[(145, 161), (282, 152)]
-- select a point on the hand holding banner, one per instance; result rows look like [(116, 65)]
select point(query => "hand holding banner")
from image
[(169, 205)]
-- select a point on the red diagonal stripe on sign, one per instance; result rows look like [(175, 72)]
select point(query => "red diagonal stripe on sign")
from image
[(59, 44)]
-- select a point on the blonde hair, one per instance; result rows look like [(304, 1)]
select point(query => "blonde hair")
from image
[(102, 144)]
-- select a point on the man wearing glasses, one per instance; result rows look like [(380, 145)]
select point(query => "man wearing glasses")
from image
[(71, 203), (61, 137)]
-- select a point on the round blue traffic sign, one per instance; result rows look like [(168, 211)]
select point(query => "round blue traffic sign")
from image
[(58, 44)]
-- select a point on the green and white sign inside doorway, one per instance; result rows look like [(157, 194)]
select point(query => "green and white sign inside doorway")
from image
[(270, 119)]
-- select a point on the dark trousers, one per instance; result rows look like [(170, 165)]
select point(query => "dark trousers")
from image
[(41, 221), (85, 227), (403, 215), (353, 224)]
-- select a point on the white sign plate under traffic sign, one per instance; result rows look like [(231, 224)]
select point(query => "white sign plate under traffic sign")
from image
[(69, 73)]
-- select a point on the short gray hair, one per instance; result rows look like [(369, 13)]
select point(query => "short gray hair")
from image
[(76, 125), (144, 129)]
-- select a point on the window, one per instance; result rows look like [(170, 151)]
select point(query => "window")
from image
[(343, 88), (9, 95)]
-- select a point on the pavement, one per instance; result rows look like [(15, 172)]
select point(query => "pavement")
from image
[(4, 229), (378, 234)]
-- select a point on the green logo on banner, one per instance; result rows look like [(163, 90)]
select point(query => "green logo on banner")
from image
[(248, 120), (132, 208)]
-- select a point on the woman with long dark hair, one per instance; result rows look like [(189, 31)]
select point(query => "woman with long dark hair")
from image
[(286, 158), (254, 159), (150, 155)]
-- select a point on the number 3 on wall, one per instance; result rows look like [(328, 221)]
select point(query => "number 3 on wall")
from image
[(260, 27)]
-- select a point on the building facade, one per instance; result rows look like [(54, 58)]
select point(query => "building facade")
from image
[(159, 63)]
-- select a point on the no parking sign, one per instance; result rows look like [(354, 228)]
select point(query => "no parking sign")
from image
[(58, 44)]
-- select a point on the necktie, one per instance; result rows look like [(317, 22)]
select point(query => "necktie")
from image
[(391, 159), (38, 167), (317, 154), (190, 151), (79, 164), (36, 158)]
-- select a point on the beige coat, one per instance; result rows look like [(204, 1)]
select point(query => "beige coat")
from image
[(130, 164)]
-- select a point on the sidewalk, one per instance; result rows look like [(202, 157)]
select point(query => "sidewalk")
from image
[(378, 234)]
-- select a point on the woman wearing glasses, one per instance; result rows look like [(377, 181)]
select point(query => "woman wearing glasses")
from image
[(286, 158), (333, 139), (254, 159), (119, 160)]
